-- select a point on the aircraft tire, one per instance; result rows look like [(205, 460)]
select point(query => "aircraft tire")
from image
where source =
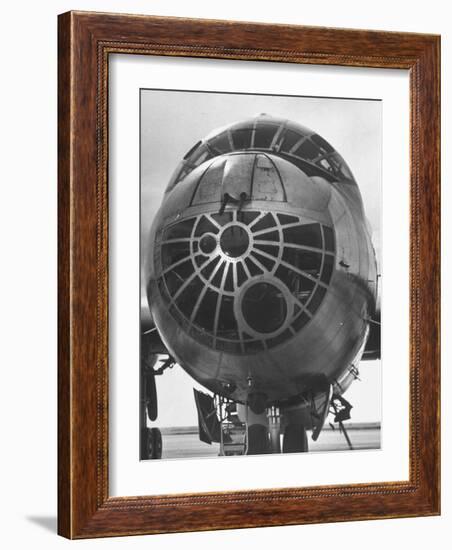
[(151, 444), (146, 444), (258, 443), (295, 439), (151, 396), (157, 437)]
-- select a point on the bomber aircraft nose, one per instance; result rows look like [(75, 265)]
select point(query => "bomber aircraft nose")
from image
[(244, 275), (246, 280)]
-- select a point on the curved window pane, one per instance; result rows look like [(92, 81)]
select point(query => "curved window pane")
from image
[(264, 134), (304, 235), (264, 307)]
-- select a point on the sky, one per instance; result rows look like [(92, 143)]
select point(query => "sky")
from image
[(173, 121)]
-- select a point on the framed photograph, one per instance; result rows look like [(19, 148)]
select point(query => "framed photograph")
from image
[(248, 275)]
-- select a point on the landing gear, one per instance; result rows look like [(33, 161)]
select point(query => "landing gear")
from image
[(240, 430), (151, 444), (150, 394), (258, 440), (150, 438), (295, 439)]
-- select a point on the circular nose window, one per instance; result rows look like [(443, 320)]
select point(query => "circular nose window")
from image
[(234, 241), (207, 244), (264, 307)]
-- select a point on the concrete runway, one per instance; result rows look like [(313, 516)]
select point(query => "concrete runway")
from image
[(184, 442)]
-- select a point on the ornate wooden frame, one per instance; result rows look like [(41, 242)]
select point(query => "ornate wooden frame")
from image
[(85, 42)]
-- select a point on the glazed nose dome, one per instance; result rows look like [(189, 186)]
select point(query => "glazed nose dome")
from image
[(245, 280)]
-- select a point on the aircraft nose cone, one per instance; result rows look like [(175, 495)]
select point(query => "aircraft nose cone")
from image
[(246, 280)]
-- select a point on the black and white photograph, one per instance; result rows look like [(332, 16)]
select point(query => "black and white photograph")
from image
[(260, 274)]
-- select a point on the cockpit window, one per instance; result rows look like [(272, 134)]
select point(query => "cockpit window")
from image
[(264, 134), (290, 138), (247, 281), (203, 155), (322, 143), (242, 138), (221, 143), (304, 148), (192, 150)]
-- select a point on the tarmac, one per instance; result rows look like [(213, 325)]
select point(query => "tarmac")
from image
[(183, 442)]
